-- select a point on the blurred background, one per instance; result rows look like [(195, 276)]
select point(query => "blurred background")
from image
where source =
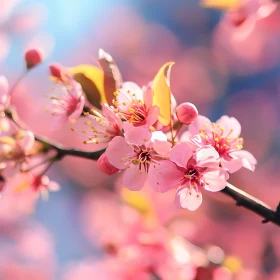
[(224, 65)]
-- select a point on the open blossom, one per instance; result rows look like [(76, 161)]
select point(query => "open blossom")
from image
[(134, 105), (137, 152), (189, 171), (224, 137), (102, 126), (32, 184), (15, 150), (69, 103)]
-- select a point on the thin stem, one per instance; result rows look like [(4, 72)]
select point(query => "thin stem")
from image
[(253, 204), (60, 149), (52, 159), (19, 79)]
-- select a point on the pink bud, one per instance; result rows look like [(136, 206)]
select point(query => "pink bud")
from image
[(105, 166), (33, 57), (186, 113), (56, 70)]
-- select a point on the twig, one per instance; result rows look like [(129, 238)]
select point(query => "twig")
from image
[(253, 204), (60, 149)]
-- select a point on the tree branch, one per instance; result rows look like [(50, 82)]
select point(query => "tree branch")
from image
[(242, 198), (253, 204), (60, 149)]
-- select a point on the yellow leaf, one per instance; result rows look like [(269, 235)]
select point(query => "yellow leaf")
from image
[(91, 79), (221, 4), (137, 200), (162, 94)]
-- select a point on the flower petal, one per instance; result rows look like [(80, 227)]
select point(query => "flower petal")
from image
[(188, 198), (228, 124), (215, 179), (78, 110), (248, 160), (117, 149), (152, 116), (232, 165), (164, 176), (163, 148), (136, 135), (207, 157), (27, 141), (133, 179), (148, 95), (199, 123), (181, 153)]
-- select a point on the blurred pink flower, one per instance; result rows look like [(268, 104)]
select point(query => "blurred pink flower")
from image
[(33, 57), (4, 92), (14, 151), (134, 243), (103, 126), (135, 105), (248, 37), (224, 137), (189, 172), (137, 152), (29, 183), (29, 254), (18, 22), (68, 104)]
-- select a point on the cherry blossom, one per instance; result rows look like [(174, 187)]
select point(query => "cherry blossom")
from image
[(68, 103), (101, 127), (224, 137), (188, 171), (137, 152), (134, 104)]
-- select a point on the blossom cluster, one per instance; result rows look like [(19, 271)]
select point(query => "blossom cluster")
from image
[(201, 158), (148, 145)]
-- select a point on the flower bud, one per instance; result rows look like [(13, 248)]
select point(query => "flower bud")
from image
[(186, 113), (56, 70), (33, 57), (105, 166)]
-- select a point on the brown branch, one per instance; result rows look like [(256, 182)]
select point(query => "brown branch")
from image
[(60, 149), (242, 198), (253, 204)]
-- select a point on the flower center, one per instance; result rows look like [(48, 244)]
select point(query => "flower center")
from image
[(191, 173), (216, 137)]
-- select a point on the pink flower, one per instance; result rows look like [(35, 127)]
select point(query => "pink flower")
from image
[(102, 126), (224, 137), (135, 105), (138, 152), (249, 12), (188, 172), (32, 183), (15, 150), (69, 104)]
